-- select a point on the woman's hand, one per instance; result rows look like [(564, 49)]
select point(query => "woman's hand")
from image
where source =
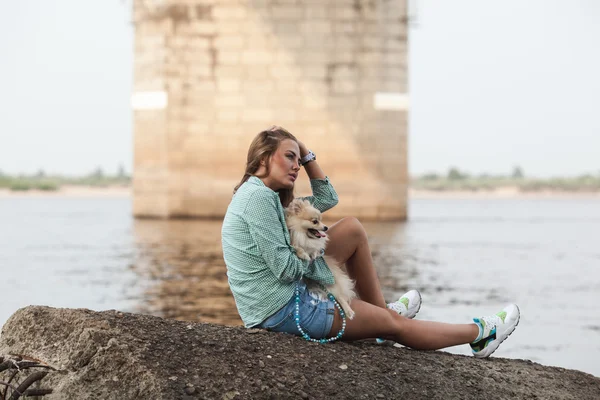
[(303, 149)]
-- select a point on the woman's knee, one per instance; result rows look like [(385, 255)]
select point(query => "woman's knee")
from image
[(345, 236), (391, 323), (398, 322), (354, 228)]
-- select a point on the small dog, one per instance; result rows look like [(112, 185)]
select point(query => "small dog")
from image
[(307, 233)]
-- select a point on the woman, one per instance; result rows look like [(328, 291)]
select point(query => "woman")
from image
[(265, 274)]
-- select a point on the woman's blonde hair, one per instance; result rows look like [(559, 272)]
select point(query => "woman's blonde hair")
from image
[(264, 145)]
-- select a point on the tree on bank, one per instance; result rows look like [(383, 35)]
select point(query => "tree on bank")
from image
[(517, 173), (455, 175)]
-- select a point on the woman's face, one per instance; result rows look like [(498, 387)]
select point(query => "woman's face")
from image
[(285, 164)]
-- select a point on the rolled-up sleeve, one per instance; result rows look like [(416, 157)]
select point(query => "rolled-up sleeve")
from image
[(261, 215), (324, 195)]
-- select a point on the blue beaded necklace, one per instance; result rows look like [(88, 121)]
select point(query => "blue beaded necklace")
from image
[(304, 334)]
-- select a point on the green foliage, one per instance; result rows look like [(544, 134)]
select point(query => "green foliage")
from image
[(19, 186), (121, 172), (518, 173), (5, 181), (430, 177), (458, 181), (98, 174), (455, 175), (46, 186), (42, 181)]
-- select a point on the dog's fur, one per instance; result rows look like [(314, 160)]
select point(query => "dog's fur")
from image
[(307, 233)]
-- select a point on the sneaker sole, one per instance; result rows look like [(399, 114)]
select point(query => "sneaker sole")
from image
[(418, 309), (488, 351)]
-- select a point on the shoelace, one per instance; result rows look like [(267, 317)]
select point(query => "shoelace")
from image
[(398, 307), (490, 323)]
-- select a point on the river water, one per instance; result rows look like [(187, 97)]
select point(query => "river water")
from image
[(467, 256)]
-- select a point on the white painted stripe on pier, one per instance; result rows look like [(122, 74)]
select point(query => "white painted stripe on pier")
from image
[(391, 101), (156, 100)]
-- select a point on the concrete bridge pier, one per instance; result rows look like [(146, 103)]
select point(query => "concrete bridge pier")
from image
[(210, 74)]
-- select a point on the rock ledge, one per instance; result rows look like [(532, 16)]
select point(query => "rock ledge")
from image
[(114, 355)]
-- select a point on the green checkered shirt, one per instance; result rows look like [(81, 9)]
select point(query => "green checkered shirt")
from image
[(262, 266)]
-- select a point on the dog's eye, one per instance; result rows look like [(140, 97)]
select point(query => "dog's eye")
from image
[(315, 221)]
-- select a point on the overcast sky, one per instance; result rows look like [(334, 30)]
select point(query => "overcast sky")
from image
[(493, 85)]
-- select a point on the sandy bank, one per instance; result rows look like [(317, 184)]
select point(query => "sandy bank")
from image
[(72, 191), (509, 192), (500, 193)]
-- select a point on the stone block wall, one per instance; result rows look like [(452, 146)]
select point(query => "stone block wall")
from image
[(210, 74)]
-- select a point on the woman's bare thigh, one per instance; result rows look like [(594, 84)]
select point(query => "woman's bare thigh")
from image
[(343, 239)]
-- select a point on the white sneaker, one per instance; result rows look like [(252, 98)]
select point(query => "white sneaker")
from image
[(408, 305), (494, 329)]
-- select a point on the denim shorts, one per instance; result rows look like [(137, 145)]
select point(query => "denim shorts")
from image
[(316, 315)]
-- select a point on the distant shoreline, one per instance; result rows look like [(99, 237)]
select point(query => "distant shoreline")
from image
[(70, 191), (507, 192)]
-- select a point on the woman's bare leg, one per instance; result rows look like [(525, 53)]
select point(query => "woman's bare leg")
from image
[(371, 321), (348, 244)]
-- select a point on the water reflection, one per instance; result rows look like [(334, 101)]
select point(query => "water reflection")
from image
[(468, 257), (182, 270), (394, 266), (183, 275)]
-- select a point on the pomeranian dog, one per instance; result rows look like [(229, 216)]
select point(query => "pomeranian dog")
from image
[(307, 233)]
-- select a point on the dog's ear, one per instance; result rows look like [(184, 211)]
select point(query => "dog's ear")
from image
[(295, 207)]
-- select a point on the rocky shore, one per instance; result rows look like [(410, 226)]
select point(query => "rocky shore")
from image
[(114, 355)]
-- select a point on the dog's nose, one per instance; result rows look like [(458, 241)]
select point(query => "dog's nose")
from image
[(325, 228)]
